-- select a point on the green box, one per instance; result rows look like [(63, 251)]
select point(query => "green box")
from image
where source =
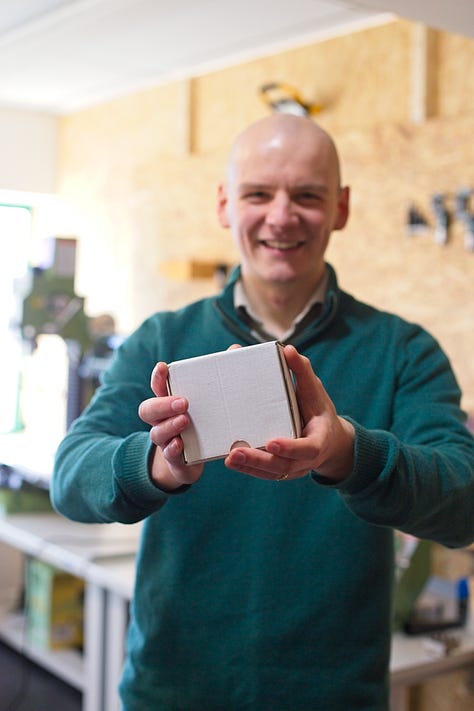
[(54, 606)]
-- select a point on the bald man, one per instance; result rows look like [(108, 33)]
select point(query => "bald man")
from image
[(264, 580)]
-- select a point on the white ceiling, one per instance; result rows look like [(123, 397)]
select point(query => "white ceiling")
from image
[(62, 55)]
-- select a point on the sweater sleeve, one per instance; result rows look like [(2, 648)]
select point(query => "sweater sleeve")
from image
[(418, 475), (101, 466)]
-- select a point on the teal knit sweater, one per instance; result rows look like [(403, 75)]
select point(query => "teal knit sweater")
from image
[(262, 596)]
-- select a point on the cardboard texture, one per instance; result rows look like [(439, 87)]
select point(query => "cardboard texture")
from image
[(245, 395)]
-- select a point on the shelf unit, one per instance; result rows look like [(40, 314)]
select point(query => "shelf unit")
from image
[(104, 556), (66, 664)]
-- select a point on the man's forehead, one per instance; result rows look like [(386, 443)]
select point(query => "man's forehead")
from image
[(275, 161), (270, 183), (281, 168)]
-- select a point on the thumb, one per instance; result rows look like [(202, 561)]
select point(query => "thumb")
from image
[(159, 378), (309, 390)]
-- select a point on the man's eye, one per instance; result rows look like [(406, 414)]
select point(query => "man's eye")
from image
[(256, 196), (308, 198)]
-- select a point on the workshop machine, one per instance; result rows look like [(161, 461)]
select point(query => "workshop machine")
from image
[(53, 307)]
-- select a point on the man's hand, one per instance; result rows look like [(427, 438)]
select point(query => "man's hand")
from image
[(168, 417), (326, 444)]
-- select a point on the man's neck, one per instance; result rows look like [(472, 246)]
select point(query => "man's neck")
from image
[(277, 305)]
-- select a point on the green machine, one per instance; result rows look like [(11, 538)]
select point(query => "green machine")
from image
[(53, 307)]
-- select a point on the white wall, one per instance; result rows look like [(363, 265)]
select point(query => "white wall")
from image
[(28, 151)]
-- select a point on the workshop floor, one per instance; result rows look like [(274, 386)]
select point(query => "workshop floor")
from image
[(26, 687)]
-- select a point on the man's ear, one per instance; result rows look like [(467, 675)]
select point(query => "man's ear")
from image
[(342, 208), (222, 206)]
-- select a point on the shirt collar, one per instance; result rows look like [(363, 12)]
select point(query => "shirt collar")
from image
[(313, 305)]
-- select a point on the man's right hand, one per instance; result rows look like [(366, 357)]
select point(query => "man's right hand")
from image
[(167, 415)]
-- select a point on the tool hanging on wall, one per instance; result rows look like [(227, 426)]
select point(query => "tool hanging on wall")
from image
[(442, 218), (466, 216), (447, 208), (416, 222), (284, 98)]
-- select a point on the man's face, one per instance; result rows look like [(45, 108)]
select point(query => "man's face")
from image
[(282, 200)]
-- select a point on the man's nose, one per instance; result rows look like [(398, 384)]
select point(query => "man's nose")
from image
[(281, 212)]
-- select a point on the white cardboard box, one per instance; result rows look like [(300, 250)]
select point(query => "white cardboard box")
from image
[(244, 395)]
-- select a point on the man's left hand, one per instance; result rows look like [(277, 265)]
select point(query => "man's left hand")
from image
[(326, 445)]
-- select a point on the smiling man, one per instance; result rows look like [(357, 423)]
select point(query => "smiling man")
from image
[(264, 580), (282, 200)]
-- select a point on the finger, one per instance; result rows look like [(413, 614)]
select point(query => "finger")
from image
[(301, 451), (274, 474), (312, 398), (169, 462), (240, 462), (165, 431), (159, 378), (264, 465), (234, 346), (156, 409)]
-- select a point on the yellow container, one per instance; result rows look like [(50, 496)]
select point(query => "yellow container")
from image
[(54, 607)]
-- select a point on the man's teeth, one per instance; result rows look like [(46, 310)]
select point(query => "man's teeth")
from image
[(281, 245)]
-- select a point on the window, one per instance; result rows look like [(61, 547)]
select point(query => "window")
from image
[(15, 233)]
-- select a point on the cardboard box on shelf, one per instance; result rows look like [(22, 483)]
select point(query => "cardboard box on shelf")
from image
[(54, 606), (239, 397)]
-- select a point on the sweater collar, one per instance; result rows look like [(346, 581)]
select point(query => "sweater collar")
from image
[(308, 314), (224, 302)]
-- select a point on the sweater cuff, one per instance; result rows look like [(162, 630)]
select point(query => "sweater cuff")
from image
[(131, 471), (375, 451), (180, 490)]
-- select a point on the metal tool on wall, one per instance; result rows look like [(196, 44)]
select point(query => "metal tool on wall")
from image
[(442, 218), (446, 209), (466, 216), (417, 223), (285, 98)]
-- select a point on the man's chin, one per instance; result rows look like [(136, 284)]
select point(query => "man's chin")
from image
[(283, 277), (278, 275)]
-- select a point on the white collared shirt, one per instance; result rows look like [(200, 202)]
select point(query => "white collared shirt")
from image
[(257, 326)]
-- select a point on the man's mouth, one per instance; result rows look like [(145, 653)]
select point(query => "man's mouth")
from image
[(281, 246)]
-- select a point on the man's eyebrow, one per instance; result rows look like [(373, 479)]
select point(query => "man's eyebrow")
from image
[(244, 187), (316, 187), (319, 187)]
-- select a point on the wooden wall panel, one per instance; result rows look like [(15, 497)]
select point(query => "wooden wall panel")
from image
[(362, 79), (456, 75)]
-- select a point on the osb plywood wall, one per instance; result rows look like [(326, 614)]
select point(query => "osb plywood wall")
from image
[(139, 175)]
